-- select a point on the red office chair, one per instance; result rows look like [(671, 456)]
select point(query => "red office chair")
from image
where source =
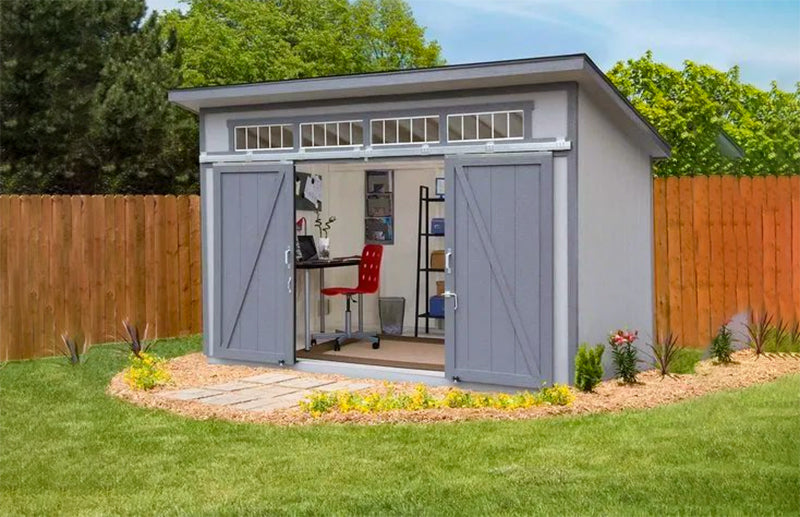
[(369, 275)]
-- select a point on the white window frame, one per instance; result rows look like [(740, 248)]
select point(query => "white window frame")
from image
[(477, 128), (337, 122), (397, 120), (258, 127)]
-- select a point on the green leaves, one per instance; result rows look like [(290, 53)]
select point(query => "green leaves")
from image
[(693, 106)]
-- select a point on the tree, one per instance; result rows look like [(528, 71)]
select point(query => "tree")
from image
[(52, 54), (690, 107), (230, 41)]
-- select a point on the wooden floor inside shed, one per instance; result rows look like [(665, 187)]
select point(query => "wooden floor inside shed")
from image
[(398, 352)]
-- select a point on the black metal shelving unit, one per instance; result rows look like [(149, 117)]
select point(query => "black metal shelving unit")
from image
[(423, 261)]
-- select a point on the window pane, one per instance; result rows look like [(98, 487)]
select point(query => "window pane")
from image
[(432, 134), (454, 128), (485, 126), (306, 131), (358, 134), (470, 127), (263, 137), (252, 138), (500, 125), (377, 131), (391, 132), (515, 123), (344, 133), (241, 138), (404, 131), (319, 135), (330, 134), (418, 130), (288, 136)]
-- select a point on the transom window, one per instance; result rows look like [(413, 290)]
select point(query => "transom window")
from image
[(409, 130), (497, 125), (276, 136), (347, 133)]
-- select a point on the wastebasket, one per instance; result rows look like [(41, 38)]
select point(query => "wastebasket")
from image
[(392, 309)]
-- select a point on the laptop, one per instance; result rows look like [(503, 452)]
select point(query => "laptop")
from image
[(306, 249)]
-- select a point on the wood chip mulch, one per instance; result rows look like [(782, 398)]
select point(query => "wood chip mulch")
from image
[(193, 370)]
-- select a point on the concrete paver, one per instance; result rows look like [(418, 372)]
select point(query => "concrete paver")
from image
[(270, 378)]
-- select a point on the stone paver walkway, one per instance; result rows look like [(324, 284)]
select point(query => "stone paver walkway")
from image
[(265, 392)]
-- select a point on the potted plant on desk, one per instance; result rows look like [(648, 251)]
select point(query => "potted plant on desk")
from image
[(324, 241)]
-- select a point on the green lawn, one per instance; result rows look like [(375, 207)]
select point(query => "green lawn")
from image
[(67, 448)]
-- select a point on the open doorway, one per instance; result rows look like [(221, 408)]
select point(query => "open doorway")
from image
[(373, 202)]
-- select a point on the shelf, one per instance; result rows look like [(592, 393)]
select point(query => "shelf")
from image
[(433, 199), (432, 270), (428, 315), (432, 234)]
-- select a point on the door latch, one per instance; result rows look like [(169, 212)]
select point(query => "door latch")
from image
[(286, 255), (454, 296), (447, 255), (289, 284)]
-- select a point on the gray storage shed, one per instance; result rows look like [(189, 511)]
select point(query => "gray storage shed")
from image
[(548, 204)]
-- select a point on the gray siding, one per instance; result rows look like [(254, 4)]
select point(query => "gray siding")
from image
[(615, 229)]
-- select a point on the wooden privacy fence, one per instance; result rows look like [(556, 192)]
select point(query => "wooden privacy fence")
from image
[(724, 245), (81, 264)]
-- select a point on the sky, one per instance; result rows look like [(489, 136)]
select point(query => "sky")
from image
[(761, 36)]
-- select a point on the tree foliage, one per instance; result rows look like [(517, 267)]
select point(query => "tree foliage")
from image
[(227, 42), (84, 82), (690, 108)]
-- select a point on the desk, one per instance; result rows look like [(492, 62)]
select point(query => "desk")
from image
[(322, 265)]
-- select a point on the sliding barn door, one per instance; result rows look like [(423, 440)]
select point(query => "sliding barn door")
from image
[(499, 310), (253, 271)]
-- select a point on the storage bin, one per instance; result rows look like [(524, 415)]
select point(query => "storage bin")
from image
[(436, 306), (437, 226), (391, 310), (439, 286), (437, 259)]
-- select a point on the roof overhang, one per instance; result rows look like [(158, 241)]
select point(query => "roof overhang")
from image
[(571, 68)]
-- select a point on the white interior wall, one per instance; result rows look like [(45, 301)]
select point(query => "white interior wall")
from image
[(615, 229), (343, 197)]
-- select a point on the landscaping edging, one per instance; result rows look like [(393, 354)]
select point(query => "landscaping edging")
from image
[(193, 370)]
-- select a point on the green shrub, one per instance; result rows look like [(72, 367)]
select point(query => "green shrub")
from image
[(722, 345), (758, 330), (665, 350), (685, 361), (146, 372), (624, 355), (589, 367), (421, 399)]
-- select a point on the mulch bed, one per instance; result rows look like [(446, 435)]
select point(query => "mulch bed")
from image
[(193, 370)]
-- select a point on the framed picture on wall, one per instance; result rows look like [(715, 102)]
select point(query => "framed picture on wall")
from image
[(439, 187), (379, 207)]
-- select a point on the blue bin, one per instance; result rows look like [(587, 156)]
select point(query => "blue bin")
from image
[(436, 306), (437, 226)]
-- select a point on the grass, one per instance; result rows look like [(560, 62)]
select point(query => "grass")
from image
[(685, 360), (67, 448)]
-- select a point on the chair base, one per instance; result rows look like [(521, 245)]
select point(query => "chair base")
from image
[(347, 334)]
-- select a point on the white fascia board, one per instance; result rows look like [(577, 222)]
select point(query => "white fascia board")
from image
[(386, 152)]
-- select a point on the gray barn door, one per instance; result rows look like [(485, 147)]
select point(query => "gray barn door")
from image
[(498, 327), (254, 304)]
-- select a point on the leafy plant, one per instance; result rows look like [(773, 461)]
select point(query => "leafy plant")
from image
[(777, 336), (324, 227), (146, 372), (758, 330), (624, 355), (685, 361), (137, 343), (589, 367), (420, 398), (665, 350), (722, 345), (794, 337), (72, 351)]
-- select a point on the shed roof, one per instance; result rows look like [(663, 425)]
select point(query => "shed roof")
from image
[(551, 69)]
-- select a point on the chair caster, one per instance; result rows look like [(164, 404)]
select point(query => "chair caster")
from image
[(376, 345), (337, 345)]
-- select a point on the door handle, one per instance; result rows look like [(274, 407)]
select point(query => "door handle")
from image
[(447, 256), (289, 284), (454, 296), (286, 257)]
